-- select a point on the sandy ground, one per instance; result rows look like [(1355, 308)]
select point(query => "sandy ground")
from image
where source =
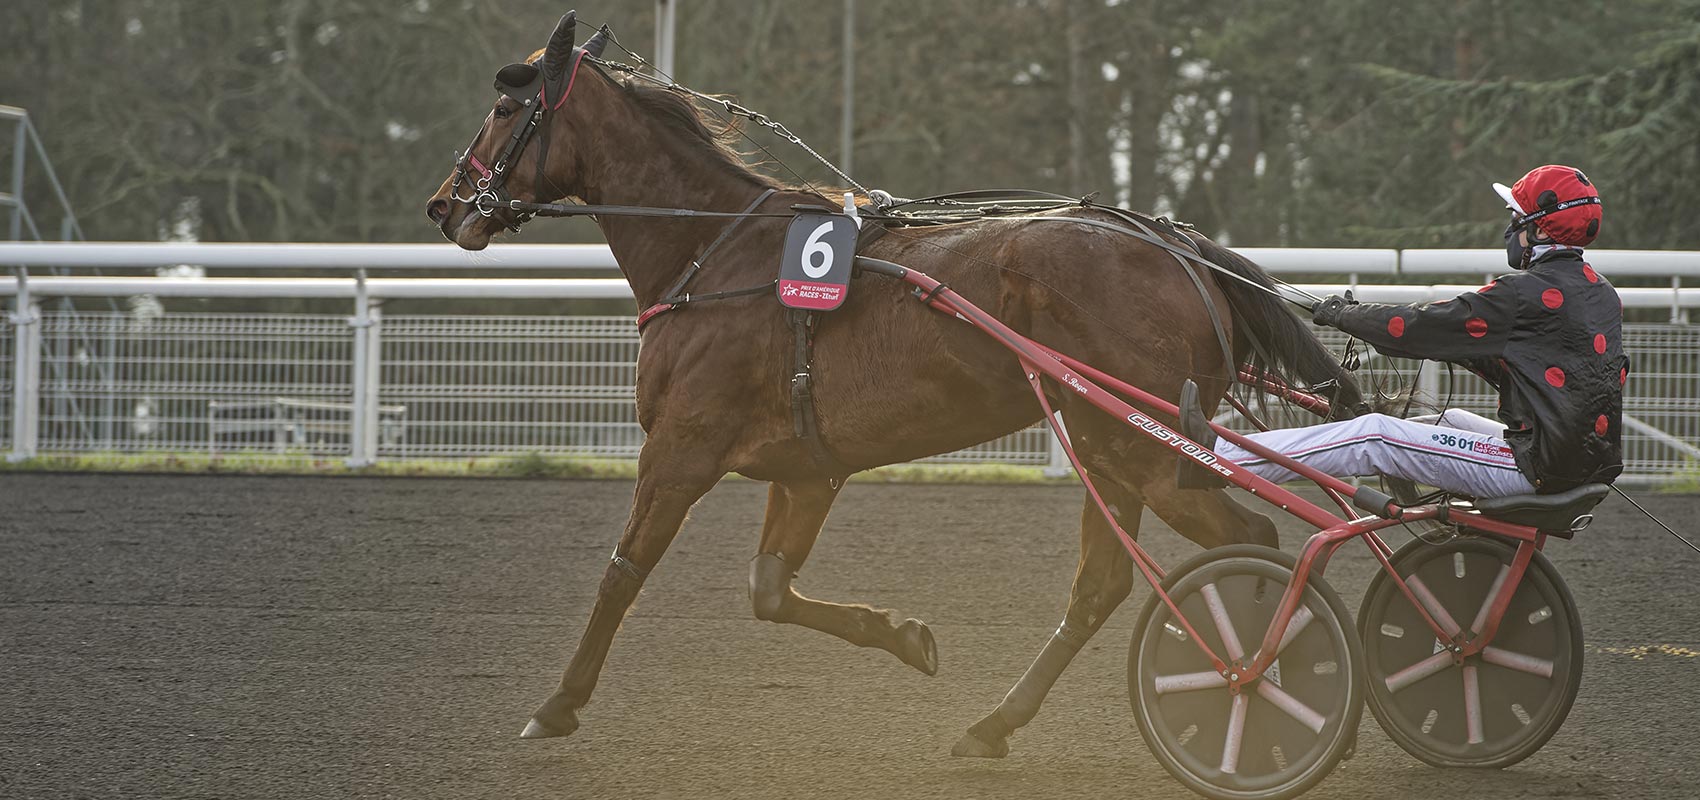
[(221, 637)]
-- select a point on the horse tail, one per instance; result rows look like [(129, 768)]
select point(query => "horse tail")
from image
[(1274, 339)]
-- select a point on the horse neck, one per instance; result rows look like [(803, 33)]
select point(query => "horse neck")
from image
[(641, 164)]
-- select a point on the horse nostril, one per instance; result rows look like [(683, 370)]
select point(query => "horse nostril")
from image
[(437, 210)]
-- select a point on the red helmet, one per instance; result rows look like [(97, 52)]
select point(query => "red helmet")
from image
[(1559, 200)]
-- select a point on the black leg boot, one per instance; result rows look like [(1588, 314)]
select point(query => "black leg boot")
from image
[(1190, 474)]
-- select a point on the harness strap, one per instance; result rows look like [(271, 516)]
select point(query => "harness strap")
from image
[(676, 296), (1230, 364), (696, 265), (1186, 254), (674, 302), (805, 423), (983, 196)]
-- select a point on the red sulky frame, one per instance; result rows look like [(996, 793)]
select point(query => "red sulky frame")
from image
[(1040, 362)]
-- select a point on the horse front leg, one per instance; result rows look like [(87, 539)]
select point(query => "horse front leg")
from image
[(670, 481), (1102, 580), (795, 513)]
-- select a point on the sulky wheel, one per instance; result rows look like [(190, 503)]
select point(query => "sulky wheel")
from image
[(1280, 734), (1499, 706)]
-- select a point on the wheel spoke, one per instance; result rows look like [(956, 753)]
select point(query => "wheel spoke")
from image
[(1517, 661), (1305, 715), (1472, 705), (1301, 618), (1224, 625), (1236, 735), (1487, 602), (1420, 670), (1190, 682), (1447, 624)]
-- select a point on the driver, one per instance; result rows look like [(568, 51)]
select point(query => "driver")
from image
[(1548, 337)]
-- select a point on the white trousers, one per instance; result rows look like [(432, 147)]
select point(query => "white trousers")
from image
[(1456, 451)]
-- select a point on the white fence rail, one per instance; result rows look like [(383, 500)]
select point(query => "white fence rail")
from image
[(251, 256), (373, 386)]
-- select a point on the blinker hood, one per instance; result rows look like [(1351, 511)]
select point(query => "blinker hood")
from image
[(523, 81), (519, 81)]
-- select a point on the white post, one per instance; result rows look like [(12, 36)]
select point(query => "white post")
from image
[(1059, 465), (1428, 383), (666, 22), (26, 373), (374, 381), (847, 124), (363, 412)]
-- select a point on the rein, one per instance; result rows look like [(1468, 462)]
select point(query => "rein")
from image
[(585, 210)]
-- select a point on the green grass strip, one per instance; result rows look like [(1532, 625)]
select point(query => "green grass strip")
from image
[(526, 465)]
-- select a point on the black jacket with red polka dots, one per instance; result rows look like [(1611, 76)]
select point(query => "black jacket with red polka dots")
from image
[(1550, 339)]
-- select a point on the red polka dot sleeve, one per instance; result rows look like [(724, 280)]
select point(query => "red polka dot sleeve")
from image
[(1470, 326)]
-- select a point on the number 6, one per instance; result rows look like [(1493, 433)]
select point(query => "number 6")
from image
[(814, 246)]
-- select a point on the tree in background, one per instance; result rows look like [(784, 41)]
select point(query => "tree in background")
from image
[(1630, 122), (1264, 122)]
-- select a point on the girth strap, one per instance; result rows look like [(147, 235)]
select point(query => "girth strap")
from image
[(805, 423)]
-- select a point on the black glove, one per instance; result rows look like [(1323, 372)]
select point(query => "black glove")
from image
[(1328, 311)]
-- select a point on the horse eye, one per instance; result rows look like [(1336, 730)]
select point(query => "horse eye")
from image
[(502, 111)]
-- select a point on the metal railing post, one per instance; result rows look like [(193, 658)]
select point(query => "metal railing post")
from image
[(363, 411), (26, 373)]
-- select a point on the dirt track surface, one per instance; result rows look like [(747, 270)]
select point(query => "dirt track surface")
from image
[(317, 638)]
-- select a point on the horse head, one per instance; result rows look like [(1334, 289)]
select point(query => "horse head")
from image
[(524, 150)]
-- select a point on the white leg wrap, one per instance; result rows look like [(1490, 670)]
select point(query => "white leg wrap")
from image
[(1450, 458)]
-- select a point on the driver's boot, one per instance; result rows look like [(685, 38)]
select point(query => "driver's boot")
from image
[(1189, 474)]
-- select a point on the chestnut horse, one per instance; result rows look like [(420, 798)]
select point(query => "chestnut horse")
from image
[(897, 381)]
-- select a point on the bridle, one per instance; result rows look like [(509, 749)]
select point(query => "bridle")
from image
[(528, 84)]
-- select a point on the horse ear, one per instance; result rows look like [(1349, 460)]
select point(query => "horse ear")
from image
[(558, 55), (594, 45)]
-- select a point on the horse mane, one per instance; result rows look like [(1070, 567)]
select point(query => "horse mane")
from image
[(679, 115)]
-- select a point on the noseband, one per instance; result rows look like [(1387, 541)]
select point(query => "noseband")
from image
[(490, 189)]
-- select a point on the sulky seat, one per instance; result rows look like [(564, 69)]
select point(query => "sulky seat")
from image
[(1553, 513)]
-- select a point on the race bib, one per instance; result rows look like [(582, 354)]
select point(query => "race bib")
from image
[(815, 273)]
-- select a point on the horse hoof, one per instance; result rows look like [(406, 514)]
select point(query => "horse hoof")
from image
[(919, 649), (971, 746), (539, 728)]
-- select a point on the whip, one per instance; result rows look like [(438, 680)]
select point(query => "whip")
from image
[(1679, 537)]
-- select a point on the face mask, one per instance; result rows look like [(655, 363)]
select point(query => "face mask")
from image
[(1516, 255)]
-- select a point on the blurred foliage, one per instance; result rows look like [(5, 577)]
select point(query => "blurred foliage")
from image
[(1265, 122)]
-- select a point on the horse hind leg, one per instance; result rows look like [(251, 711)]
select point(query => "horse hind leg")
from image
[(1102, 580), (795, 513), (664, 496), (1209, 517)]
